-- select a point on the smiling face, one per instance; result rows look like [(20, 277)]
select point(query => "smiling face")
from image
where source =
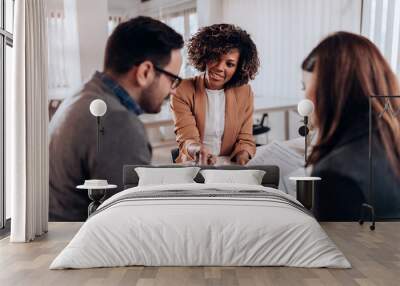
[(219, 72)]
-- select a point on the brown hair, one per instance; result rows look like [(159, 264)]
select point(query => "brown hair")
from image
[(211, 42), (348, 69)]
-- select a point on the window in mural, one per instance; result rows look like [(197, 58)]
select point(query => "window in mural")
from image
[(6, 60)]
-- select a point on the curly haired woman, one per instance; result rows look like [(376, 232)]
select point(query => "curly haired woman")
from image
[(213, 112)]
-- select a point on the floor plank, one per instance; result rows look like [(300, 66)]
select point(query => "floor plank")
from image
[(374, 255)]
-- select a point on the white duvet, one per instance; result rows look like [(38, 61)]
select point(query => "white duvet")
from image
[(200, 231)]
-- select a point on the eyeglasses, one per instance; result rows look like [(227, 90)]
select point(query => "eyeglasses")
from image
[(176, 80)]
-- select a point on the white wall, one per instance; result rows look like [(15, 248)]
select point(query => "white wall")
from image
[(284, 32), (92, 19), (209, 12)]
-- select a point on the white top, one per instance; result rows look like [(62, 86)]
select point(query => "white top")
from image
[(215, 120)]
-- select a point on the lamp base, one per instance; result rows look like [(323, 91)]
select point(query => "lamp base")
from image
[(97, 196), (372, 210), (305, 193)]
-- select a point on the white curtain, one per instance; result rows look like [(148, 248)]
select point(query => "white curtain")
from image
[(26, 125), (381, 24), (56, 51), (114, 21), (64, 64)]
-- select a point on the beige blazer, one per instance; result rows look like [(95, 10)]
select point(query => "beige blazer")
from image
[(189, 112)]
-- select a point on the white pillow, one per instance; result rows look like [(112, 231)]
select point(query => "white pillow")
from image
[(248, 177), (165, 176)]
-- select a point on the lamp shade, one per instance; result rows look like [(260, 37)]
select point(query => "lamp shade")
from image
[(98, 107), (305, 107)]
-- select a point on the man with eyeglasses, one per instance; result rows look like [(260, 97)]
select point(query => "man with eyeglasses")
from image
[(141, 66)]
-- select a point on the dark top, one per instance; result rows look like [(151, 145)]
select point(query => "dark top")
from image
[(345, 178), (73, 150)]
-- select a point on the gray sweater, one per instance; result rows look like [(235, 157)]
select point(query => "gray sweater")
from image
[(73, 151)]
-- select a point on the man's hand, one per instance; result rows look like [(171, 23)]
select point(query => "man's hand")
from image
[(202, 154), (242, 157)]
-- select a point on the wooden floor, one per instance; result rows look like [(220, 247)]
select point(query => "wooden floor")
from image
[(375, 257)]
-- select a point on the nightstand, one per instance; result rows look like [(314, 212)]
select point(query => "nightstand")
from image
[(305, 188), (96, 193)]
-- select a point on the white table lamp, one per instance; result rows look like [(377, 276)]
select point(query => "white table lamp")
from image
[(98, 108), (305, 107)]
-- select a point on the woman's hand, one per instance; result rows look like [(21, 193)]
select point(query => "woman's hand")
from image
[(242, 157), (202, 154)]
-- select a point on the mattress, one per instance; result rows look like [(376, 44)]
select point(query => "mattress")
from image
[(201, 225)]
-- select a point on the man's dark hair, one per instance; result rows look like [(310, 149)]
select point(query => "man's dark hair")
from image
[(140, 39)]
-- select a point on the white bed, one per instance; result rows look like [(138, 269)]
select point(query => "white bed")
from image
[(224, 225)]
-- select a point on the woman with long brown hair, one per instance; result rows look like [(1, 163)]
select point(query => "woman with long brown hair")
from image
[(344, 71)]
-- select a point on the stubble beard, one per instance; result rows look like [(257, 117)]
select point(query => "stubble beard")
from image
[(149, 101)]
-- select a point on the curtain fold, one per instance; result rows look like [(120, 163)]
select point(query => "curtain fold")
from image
[(27, 125), (381, 24)]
